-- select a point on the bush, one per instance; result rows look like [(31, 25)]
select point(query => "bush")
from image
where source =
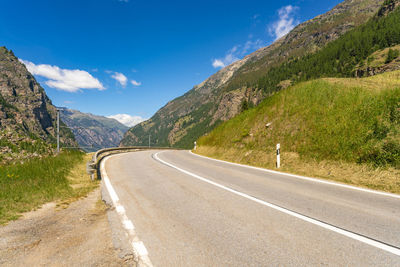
[(392, 54)]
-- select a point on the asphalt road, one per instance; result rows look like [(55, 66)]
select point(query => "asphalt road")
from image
[(193, 211)]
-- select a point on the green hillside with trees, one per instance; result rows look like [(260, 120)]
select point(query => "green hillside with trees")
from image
[(330, 122), (338, 58), (248, 81), (322, 125)]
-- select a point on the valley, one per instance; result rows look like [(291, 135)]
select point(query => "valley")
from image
[(285, 152)]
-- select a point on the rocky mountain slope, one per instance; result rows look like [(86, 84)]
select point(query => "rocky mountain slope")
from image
[(27, 116), (93, 132), (221, 96)]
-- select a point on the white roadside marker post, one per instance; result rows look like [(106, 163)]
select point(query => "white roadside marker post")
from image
[(58, 131), (278, 156), (195, 145)]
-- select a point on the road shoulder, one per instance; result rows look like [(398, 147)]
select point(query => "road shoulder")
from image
[(78, 235)]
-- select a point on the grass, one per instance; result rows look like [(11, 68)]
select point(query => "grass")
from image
[(364, 175), (378, 58), (27, 186), (323, 126), (385, 81)]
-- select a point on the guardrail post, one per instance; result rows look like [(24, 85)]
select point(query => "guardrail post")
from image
[(91, 169)]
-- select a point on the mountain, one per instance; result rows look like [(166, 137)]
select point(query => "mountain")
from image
[(27, 115), (91, 131), (343, 129), (340, 119), (235, 87)]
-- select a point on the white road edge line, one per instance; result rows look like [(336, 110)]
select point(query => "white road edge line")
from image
[(362, 239), (139, 250), (302, 177)]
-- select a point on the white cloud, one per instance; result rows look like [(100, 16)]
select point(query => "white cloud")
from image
[(230, 57), (217, 63), (121, 78), (285, 23), (237, 52), (127, 120), (251, 46), (136, 83), (64, 79), (255, 20)]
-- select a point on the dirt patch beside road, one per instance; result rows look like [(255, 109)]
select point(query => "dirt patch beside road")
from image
[(78, 235)]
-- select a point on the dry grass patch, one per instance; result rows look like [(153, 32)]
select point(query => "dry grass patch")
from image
[(385, 179), (27, 186), (376, 83), (80, 182)]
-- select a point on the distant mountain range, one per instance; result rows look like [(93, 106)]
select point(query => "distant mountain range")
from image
[(93, 132), (237, 86)]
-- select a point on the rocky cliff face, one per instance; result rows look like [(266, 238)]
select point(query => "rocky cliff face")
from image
[(93, 132), (219, 98), (27, 116)]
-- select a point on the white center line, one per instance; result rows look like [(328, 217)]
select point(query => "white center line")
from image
[(363, 239)]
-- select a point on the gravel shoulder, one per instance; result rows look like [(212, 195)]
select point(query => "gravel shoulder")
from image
[(78, 235)]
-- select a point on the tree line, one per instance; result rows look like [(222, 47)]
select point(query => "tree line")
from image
[(340, 57)]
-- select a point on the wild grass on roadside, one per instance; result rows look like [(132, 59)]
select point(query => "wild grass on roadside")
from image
[(27, 186), (324, 120), (323, 126), (385, 179)]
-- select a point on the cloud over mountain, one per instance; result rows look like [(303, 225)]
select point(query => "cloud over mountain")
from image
[(127, 119), (237, 52), (64, 79), (285, 23)]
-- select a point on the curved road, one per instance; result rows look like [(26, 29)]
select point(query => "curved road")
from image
[(190, 210)]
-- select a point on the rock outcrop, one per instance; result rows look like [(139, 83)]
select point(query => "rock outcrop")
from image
[(27, 116)]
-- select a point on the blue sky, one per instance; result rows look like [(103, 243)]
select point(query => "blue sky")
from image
[(111, 57)]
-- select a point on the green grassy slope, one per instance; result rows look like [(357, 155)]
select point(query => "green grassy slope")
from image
[(26, 186), (351, 120)]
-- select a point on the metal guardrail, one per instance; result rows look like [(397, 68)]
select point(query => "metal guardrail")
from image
[(92, 166)]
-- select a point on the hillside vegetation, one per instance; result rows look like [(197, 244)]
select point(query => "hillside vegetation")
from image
[(27, 186), (322, 125), (241, 84), (340, 58)]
